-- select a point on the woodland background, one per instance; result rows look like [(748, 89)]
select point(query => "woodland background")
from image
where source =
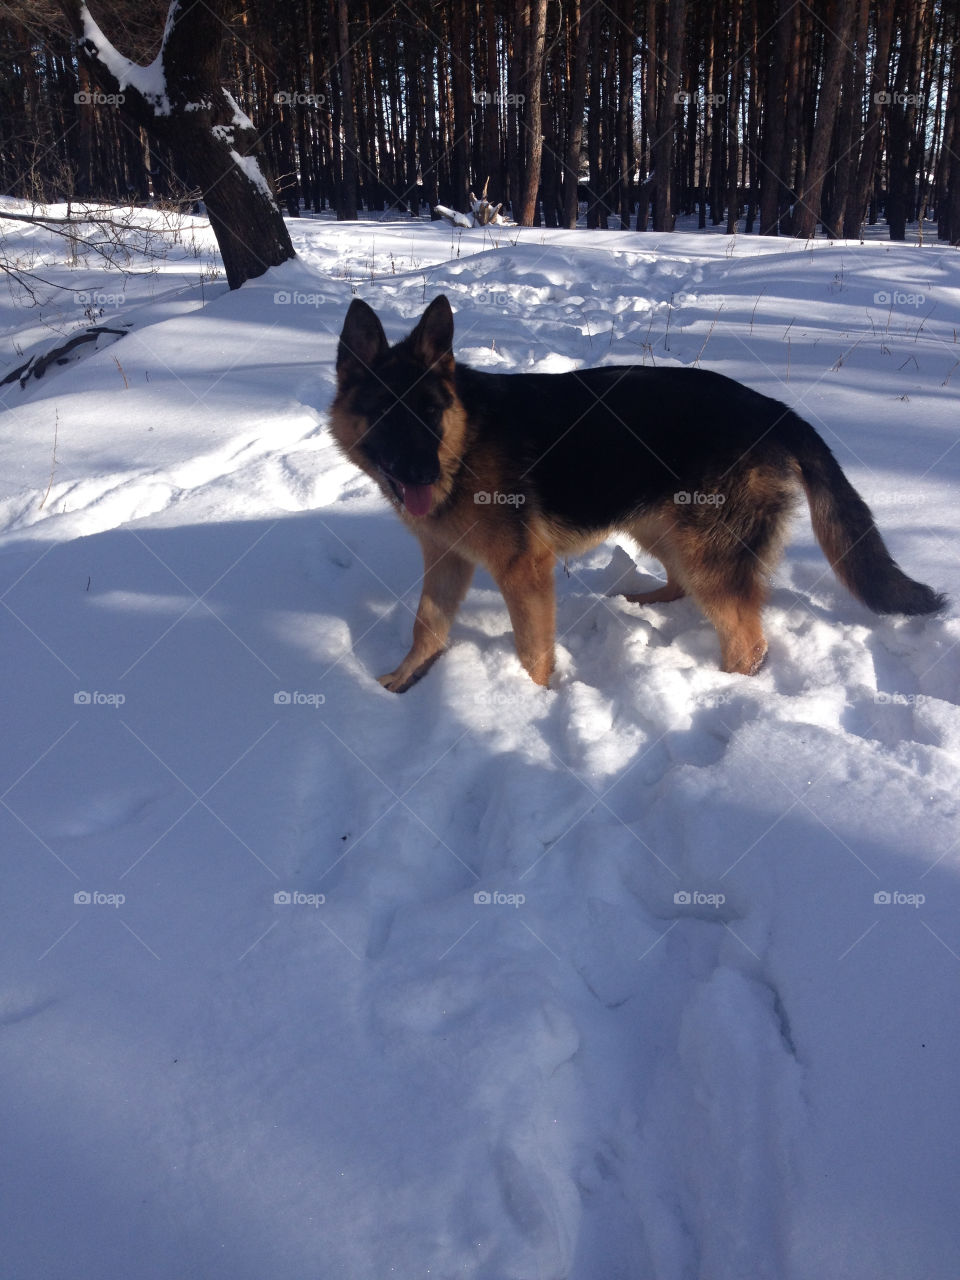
[(773, 116)]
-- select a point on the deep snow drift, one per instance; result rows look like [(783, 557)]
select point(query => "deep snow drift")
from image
[(651, 974)]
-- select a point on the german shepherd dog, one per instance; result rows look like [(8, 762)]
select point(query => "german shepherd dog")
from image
[(510, 471)]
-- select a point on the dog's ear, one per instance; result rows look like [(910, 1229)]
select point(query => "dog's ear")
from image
[(361, 341), (433, 337)]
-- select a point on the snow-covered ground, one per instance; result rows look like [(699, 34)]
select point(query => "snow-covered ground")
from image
[(701, 1020)]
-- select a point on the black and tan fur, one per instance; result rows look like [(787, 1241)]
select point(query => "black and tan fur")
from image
[(577, 456)]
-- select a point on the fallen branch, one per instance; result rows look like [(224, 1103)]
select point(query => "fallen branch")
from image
[(37, 366)]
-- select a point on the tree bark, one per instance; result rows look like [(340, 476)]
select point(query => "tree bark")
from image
[(663, 213), (212, 144), (536, 46), (578, 98), (733, 134), (808, 199), (347, 195)]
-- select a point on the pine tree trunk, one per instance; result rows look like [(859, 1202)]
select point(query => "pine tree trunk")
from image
[(950, 217), (347, 199), (536, 45), (663, 213), (733, 135), (578, 98), (624, 125), (837, 39)]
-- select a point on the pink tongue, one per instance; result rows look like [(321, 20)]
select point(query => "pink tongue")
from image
[(417, 498)]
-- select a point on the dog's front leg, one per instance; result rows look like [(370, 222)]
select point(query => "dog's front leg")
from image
[(446, 577), (528, 587)]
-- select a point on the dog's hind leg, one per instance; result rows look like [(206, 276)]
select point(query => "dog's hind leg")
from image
[(743, 645), (728, 581), (446, 578), (726, 554)]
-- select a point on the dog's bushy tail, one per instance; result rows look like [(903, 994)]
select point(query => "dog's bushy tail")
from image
[(844, 527)]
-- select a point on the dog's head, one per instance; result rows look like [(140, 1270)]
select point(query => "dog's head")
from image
[(392, 401)]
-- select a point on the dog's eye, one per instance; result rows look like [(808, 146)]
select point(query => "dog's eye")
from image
[(371, 409)]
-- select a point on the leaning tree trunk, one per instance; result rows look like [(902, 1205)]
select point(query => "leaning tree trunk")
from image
[(214, 147)]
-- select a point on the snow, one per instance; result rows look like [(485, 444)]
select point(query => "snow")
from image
[(150, 81), (682, 1038)]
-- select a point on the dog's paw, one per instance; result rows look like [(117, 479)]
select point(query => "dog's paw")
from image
[(408, 673), (394, 682)]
